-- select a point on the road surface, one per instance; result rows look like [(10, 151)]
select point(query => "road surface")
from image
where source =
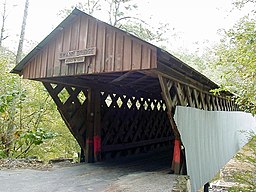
[(141, 173)]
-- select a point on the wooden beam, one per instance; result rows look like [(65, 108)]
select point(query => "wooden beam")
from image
[(120, 78), (97, 128), (196, 98), (167, 98), (180, 94), (137, 80), (124, 146), (89, 130), (190, 101), (202, 96), (85, 84)]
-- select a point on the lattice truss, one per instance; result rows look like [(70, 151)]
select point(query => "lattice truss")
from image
[(129, 124), (72, 105), (185, 95), (133, 124)]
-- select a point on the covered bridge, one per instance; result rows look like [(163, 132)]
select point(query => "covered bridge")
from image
[(116, 93)]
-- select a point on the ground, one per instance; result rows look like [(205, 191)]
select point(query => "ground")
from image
[(131, 175), (142, 173)]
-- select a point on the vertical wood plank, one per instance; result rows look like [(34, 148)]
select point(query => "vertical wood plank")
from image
[(127, 53), (34, 67), (136, 55), (91, 42), (119, 51), (103, 67), (44, 62), (74, 43), (146, 55), (66, 47), (83, 36), (100, 56), (112, 64), (29, 66), (58, 50), (38, 64), (25, 72), (153, 59), (109, 59), (51, 55)]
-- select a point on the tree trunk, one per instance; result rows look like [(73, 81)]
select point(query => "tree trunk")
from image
[(22, 33), (2, 37)]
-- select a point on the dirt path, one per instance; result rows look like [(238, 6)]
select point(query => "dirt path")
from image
[(141, 174)]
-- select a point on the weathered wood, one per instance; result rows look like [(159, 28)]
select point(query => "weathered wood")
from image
[(135, 119), (190, 100), (167, 98), (90, 127), (117, 147), (181, 96), (97, 127), (120, 78), (72, 111), (202, 96)]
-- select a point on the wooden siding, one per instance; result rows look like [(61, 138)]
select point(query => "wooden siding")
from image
[(116, 51)]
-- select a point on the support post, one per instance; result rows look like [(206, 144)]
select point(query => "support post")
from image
[(177, 143), (97, 127), (81, 156), (90, 127), (206, 187), (93, 128)]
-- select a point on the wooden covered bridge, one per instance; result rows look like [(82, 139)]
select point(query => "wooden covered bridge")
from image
[(116, 93)]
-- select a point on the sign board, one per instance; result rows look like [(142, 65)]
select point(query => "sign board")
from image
[(77, 56), (74, 60)]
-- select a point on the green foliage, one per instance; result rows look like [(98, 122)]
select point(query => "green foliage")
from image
[(247, 179), (236, 60), (25, 141), (29, 121)]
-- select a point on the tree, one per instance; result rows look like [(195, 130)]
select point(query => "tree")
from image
[(18, 133), (239, 4), (29, 121), (236, 59), (4, 16), (89, 6), (22, 33), (123, 14)]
